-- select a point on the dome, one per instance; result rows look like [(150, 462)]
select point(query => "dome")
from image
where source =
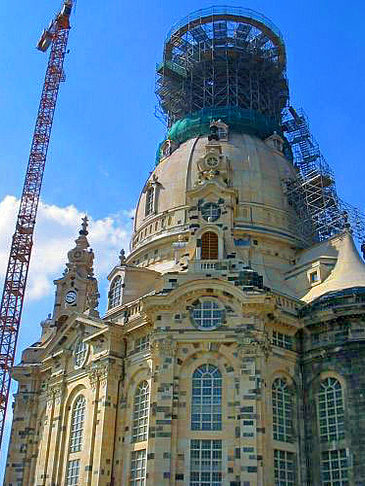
[(249, 187)]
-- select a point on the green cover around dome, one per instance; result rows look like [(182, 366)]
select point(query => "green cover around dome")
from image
[(239, 120)]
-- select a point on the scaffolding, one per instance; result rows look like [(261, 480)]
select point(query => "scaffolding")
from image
[(313, 195), (219, 57)]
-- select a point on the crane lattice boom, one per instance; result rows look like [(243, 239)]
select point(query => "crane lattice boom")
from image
[(17, 271)]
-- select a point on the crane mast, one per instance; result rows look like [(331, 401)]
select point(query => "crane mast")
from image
[(55, 36)]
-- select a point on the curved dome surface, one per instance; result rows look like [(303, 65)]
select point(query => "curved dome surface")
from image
[(256, 169)]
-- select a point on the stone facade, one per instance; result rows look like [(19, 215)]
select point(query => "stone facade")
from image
[(231, 353)]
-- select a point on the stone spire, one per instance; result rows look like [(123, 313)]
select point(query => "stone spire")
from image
[(348, 272), (81, 258), (77, 290)]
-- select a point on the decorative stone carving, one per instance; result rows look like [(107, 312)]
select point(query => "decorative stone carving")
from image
[(214, 165), (164, 346), (256, 344), (100, 373), (54, 395)]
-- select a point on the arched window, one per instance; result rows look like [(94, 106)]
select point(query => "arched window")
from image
[(282, 408), (140, 412), (209, 246), (80, 353), (150, 201), (77, 424), (115, 292), (331, 410), (206, 407)]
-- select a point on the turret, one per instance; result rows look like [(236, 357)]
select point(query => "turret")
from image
[(77, 290)]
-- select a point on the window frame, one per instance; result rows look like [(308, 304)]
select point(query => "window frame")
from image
[(214, 211), (140, 415), (286, 457), (206, 408), (282, 400), (324, 413), (198, 307), (215, 459), (77, 424), (115, 292), (72, 478), (209, 245), (150, 206), (337, 476), (140, 480), (80, 353)]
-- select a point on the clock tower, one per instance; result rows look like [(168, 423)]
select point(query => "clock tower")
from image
[(77, 289)]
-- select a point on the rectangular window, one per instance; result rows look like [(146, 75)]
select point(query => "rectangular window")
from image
[(205, 462), (138, 468), (314, 277), (142, 343), (282, 340), (284, 468), (72, 475), (334, 468)]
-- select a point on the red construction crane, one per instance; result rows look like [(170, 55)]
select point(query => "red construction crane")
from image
[(55, 36)]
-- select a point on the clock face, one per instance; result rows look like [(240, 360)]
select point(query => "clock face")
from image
[(212, 161), (71, 297)]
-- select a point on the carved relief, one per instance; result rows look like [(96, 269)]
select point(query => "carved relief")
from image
[(162, 346), (214, 165), (254, 344), (54, 395), (102, 371)]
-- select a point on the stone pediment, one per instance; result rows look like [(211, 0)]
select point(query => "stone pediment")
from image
[(77, 327)]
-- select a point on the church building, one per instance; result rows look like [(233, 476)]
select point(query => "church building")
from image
[(232, 351)]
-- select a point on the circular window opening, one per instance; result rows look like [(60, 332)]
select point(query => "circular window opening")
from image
[(208, 314), (211, 212), (80, 353)]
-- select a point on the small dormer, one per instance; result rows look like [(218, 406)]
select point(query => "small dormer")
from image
[(275, 142), (219, 131), (167, 147), (151, 191), (128, 282)]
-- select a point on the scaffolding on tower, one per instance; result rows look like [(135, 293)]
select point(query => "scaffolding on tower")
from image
[(11, 307), (313, 195)]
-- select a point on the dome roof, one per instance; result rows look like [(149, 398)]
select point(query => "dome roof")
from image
[(256, 170)]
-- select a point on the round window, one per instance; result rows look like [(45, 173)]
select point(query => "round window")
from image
[(80, 353), (207, 314), (210, 211)]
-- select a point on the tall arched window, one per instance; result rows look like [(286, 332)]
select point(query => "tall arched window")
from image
[(206, 407), (331, 410), (77, 424), (282, 408), (209, 246), (150, 201), (115, 292), (140, 412)]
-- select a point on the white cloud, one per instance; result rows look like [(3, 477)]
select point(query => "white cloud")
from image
[(56, 230)]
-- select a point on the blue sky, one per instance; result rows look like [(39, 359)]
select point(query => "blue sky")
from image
[(105, 134)]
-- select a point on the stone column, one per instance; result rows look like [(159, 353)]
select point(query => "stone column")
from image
[(104, 379), (163, 350), (253, 350), (23, 435), (56, 434)]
